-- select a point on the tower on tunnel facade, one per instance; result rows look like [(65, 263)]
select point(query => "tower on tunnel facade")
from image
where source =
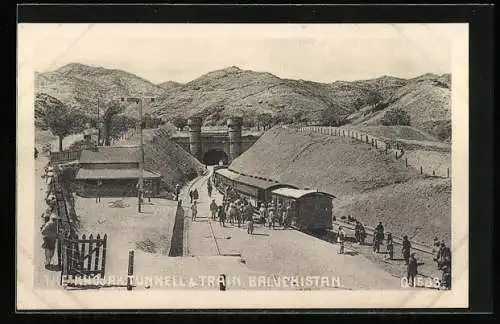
[(194, 124), (234, 134), (230, 147)]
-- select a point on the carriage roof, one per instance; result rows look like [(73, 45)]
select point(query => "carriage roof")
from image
[(300, 193)]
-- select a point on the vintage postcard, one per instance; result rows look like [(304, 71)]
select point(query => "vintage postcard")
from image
[(167, 166)]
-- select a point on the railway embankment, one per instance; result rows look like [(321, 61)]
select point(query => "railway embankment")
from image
[(369, 184)]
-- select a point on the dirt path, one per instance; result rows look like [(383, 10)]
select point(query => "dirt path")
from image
[(43, 278)]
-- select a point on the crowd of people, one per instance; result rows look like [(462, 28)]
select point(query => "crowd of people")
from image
[(49, 228), (237, 210)]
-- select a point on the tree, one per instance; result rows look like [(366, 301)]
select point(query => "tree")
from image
[(265, 120), (329, 117), (107, 119), (61, 120), (395, 116), (179, 122), (120, 124)]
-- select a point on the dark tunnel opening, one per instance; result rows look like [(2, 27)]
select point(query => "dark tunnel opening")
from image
[(213, 157)]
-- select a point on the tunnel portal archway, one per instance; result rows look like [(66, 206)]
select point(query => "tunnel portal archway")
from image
[(212, 157)]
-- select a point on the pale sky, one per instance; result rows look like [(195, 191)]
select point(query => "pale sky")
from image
[(183, 52)]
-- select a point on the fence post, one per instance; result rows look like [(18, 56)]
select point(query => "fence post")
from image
[(130, 269), (421, 170), (433, 173), (406, 161), (447, 172)]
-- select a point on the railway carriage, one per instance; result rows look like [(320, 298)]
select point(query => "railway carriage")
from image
[(254, 189), (310, 210)]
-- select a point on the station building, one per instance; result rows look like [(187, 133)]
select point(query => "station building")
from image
[(113, 171)]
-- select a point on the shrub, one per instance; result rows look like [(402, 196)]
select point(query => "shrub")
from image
[(395, 117), (179, 122)]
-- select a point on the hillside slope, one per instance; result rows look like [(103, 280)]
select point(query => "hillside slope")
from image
[(368, 184), (338, 165), (169, 159), (427, 100), (233, 91), (79, 86)]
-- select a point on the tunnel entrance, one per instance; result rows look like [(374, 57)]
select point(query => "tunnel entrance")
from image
[(213, 157)]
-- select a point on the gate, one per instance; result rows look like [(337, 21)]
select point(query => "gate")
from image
[(83, 257)]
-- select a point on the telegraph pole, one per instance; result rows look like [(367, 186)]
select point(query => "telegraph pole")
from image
[(98, 125), (141, 162), (140, 186)]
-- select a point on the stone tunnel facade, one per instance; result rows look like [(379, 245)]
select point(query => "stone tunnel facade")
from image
[(212, 147)]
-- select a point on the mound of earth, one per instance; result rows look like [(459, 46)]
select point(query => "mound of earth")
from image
[(337, 165), (368, 184), (419, 208), (175, 165)]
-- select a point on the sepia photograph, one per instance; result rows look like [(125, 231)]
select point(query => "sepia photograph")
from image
[(242, 166)]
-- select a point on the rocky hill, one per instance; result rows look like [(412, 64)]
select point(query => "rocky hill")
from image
[(168, 85), (79, 86), (233, 91)]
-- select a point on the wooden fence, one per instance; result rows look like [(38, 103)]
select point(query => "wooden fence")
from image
[(83, 257), (65, 156), (393, 148)]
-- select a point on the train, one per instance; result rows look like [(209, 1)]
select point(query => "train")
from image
[(310, 210)]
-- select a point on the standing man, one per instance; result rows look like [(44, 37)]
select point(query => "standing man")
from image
[(98, 191), (390, 246), (221, 213), (444, 254), (177, 191), (49, 234), (341, 239), (412, 270), (445, 267), (209, 188), (213, 208), (263, 212), (191, 194), (379, 230), (406, 249), (248, 210), (194, 210), (436, 251), (272, 215)]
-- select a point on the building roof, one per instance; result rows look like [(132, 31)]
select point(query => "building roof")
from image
[(299, 193), (112, 154), (84, 174)]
